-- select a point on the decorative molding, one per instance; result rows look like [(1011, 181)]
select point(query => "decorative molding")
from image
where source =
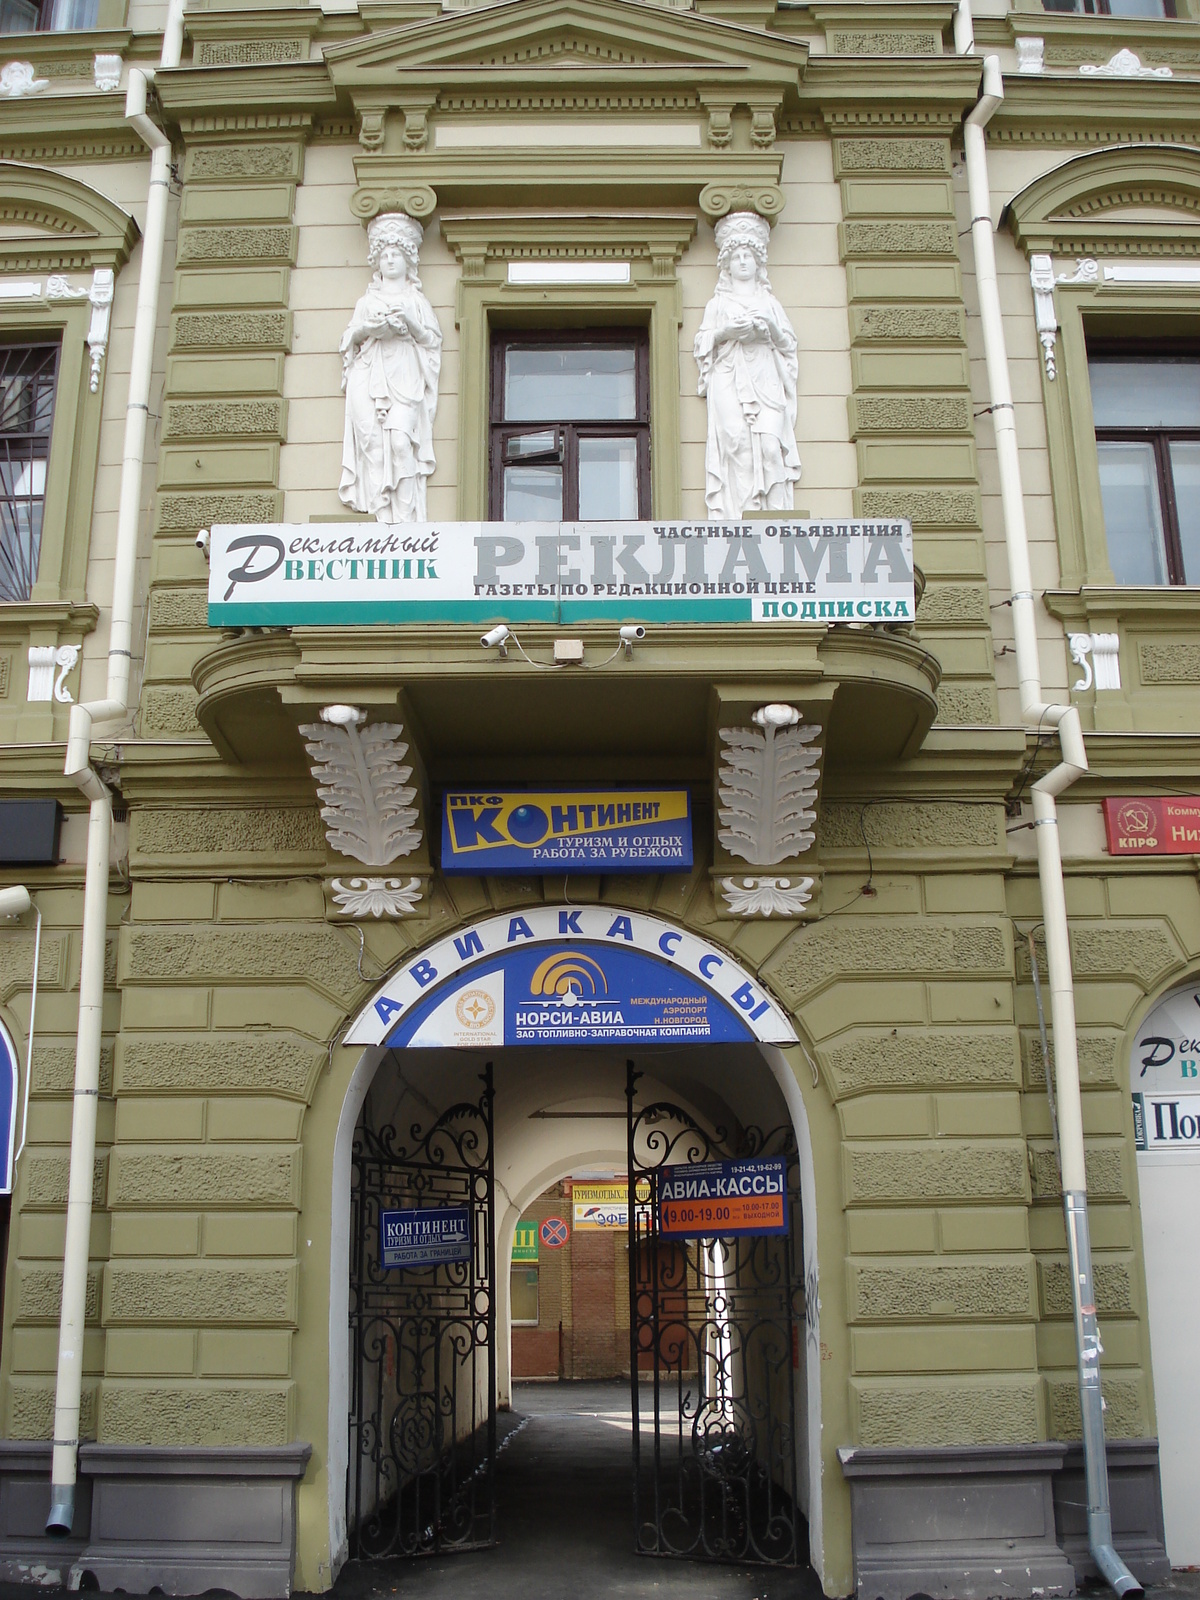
[(414, 199), (766, 897), (1150, 273), (910, 413), (17, 78), (360, 775), (659, 238), (209, 419), (1086, 271), (1075, 209), (184, 513), (719, 199), (767, 787), (880, 42), (106, 72), (43, 659), (83, 229), (238, 244), (1031, 54), (5, 675), (198, 330), (892, 155), (215, 162), (942, 324), (101, 297), (1169, 663), (377, 897), (1125, 64), (929, 508), (248, 52), (1041, 278), (1104, 650), (898, 239)]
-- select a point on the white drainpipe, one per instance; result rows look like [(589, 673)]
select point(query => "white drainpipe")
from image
[(115, 705), (1045, 820)]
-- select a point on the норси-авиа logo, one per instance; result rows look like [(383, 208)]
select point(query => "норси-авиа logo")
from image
[(566, 977)]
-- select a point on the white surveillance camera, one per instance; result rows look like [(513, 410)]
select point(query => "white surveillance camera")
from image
[(14, 901), (202, 542), (496, 637), (631, 633)]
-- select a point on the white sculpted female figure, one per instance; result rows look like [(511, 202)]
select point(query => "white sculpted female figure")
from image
[(391, 357), (746, 352)]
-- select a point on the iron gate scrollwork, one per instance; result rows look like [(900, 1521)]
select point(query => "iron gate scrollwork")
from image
[(717, 1326), (422, 1344)]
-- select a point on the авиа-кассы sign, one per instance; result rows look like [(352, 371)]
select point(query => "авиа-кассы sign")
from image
[(479, 572)]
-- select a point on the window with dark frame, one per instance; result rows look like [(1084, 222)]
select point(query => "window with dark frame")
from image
[(27, 380), (1113, 8), (48, 16), (1146, 409), (570, 426)]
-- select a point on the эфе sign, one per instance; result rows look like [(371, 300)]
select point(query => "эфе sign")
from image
[(478, 572), (562, 830)]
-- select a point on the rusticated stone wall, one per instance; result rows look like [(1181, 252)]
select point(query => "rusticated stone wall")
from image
[(911, 409), (224, 414)]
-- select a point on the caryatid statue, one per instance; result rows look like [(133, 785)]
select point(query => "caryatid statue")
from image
[(391, 358), (746, 352)]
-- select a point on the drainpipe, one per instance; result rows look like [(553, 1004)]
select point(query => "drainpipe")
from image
[(1045, 822), (78, 766)]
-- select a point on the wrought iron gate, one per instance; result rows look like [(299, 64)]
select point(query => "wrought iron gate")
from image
[(718, 1325), (422, 1345)]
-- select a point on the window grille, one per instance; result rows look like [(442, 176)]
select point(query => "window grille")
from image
[(27, 378)]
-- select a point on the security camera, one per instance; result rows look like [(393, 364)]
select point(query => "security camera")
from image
[(495, 638), (631, 633), (202, 542), (14, 901)]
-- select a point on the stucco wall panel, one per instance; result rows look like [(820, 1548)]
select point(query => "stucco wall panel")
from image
[(214, 1178), (242, 1294), (195, 1414), (993, 1170), (1005, 1411)]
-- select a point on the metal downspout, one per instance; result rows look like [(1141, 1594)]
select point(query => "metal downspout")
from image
[(1045, 821), (76, 1250)]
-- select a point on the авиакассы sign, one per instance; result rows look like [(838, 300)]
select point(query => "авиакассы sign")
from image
[(855, 570)]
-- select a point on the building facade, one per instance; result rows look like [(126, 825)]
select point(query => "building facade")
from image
[(552, 179)]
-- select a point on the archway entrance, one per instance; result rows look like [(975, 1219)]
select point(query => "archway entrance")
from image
[(721, 1341)]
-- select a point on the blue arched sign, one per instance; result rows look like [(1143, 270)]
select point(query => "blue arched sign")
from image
[(570, 975), (8, 1109)]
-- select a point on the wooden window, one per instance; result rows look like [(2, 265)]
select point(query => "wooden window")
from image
[(1113, 8), (570, 426), (1147, 416), (523, 1290), (27, 383), (48, 16)]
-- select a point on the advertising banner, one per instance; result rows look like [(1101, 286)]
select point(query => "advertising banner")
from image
[(1150, 825), (424, 1237), (525, 1242), (566, 830), (723, 1198), (279, 574), (602, 1206), (569, 974)]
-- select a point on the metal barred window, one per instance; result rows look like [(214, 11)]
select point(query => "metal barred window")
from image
[(27, 378)]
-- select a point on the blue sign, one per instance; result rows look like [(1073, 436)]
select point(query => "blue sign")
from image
[(9, 1076), (577, 993), (426, 1237), (566, 830), (723, 1198)]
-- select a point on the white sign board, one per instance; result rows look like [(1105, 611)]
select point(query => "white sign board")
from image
[(478, 572)]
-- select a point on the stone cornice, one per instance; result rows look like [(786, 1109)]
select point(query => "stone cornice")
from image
[(1066, 108), (251, 91), (850, 92), (717, 181), (54, 127), (657, 237)]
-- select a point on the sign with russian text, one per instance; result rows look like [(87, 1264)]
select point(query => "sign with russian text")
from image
[(566, 830), (1153, 826), (570, 975), (600, 1207), (424, 1237), (723, 1198), (279, 574), (1167, 1122), (525, 1242)]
